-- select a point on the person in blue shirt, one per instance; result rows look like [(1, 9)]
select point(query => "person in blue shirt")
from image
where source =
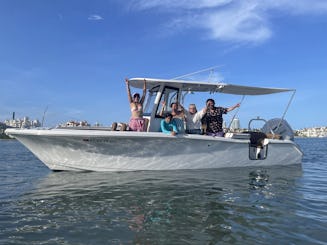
[(168, 126)]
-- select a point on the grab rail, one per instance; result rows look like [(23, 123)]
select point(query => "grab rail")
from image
[(257, 119)]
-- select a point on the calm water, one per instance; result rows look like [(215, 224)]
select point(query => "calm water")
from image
[(281, 205)]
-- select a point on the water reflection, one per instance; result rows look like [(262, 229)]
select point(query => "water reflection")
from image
[(142, 207), (258, 178), (219, 206)]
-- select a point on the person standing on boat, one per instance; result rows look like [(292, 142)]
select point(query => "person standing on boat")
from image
[(137, 122), (213, 118), (177, 110), (193, 119), (168, 125)]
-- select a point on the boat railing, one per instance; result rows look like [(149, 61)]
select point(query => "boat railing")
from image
[(259, 119), (255, 119), (269, 131)]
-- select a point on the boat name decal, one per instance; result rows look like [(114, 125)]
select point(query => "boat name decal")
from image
[(97, 140)]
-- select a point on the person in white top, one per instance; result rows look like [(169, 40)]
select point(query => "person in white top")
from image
[(193, 119)]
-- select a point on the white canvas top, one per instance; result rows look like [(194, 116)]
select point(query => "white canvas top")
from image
[(198, 86)]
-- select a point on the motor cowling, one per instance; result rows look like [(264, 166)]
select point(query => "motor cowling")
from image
[(280, 127)]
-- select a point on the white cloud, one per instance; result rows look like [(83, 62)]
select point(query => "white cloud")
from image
[(95, 17), (229, 20), (296, 7), (237, 23)]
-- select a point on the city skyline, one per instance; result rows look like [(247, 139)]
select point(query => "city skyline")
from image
[(235, 124)]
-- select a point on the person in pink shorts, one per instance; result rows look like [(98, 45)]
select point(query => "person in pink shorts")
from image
[(137, 122)]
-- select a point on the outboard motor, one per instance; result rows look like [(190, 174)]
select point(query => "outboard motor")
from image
[(280, 127)]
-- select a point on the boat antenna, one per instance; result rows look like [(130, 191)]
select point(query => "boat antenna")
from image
[(196, 72), (236, 112), (288, 105), (46, 108)]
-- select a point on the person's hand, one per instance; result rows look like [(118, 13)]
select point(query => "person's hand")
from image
[(126, 81), (173, 133)]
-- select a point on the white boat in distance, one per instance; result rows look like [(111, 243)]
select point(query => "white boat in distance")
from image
[(100, 149)]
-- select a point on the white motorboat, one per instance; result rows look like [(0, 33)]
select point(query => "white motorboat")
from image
[(101, 149)]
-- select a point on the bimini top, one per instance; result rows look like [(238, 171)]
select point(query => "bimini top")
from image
[(198, 86)]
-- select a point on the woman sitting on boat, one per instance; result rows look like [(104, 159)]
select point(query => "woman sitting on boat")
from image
[(137, 122)]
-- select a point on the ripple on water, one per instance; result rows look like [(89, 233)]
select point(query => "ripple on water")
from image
[(220, 206)]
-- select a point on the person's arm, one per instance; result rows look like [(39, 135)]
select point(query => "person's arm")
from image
[(144, 92), (182, 107), (233, 107), (199, 115), (182, 111), (162, 109), (128, 91)]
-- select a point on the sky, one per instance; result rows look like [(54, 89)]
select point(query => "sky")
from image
[(67, 59)]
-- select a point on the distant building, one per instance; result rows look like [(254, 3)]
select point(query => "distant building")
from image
[(235, 125), (312, 132), (22, 123)]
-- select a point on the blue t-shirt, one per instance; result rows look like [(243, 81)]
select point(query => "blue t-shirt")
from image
[(168, 127)]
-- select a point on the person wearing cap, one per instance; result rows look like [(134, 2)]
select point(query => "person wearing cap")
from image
[(137, 122), (168, 126), (213, 118)]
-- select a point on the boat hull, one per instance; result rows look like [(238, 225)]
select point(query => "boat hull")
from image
[(62, 149)]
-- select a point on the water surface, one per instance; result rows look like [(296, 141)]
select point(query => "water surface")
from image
[(282, 205)]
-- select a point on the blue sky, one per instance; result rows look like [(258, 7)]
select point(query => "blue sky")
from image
[(71, 56)]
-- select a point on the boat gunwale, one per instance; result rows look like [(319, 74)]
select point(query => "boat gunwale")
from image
[(88, 134)]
